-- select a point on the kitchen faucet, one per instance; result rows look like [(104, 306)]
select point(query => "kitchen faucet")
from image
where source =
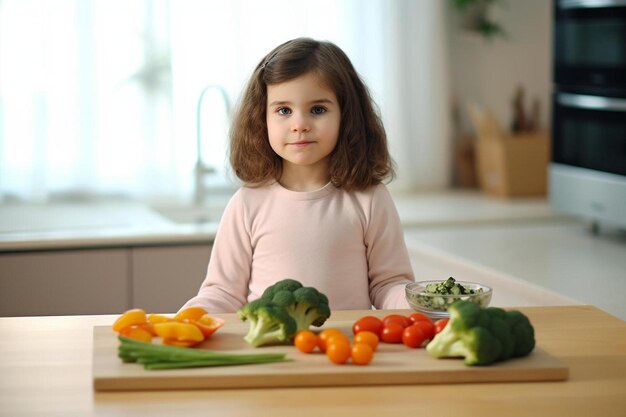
[(201, 168)]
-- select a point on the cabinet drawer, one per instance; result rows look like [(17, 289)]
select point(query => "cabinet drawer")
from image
[(64, 282), (164, 278)]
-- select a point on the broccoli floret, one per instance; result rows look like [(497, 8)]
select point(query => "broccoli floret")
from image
[(308, 308), (269, 323), (303, 306), (483, 335), (287, 284)]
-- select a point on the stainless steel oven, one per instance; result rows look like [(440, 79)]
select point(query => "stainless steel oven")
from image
[(590, 43), (588, 166)]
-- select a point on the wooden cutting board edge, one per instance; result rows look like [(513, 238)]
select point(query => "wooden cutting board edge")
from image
[(109, 374)]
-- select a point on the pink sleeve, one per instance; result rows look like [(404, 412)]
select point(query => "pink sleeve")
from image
[(388, 259), (225, 288)]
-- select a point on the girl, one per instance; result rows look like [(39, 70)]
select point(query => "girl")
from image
[(312, 153)]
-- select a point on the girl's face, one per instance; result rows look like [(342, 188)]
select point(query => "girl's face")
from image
[(303, 118)]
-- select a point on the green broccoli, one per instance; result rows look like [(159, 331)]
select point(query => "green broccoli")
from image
[(269, 323), (303, 306), (483, 335)]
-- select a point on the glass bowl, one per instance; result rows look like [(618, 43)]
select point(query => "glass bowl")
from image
[(436, 305)]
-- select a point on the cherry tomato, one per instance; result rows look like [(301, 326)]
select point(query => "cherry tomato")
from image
[(338, 350), (440, 324), (325, 337), (362, 354), (306, 341), (369, 338), (413, 336), (427, 327), (396, 318), (368, 324), (392, 333), (415, 317)]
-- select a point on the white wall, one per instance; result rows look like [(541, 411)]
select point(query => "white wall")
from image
[(487, 72)]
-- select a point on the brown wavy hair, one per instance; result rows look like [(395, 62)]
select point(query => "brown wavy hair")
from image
[(361, 158)]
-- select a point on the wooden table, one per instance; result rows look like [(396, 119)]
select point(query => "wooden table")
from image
[(45, 370)]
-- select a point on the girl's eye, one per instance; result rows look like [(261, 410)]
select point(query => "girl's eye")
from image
[(283, 110), (318, 110)]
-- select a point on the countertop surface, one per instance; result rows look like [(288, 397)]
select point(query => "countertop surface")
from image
[(540, 257), (46, 368)]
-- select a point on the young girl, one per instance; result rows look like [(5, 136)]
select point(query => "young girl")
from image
[(312, 153)]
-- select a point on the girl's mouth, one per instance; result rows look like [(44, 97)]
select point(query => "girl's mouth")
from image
[(301, 143)]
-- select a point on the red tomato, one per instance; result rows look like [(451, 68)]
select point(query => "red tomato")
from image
[(413, 336), (415, 317), (392, 333), (427, 327), (368, 324), (396, 318), (440, 324)]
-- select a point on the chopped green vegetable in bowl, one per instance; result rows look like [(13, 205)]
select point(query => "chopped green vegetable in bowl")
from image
[(434, 297)]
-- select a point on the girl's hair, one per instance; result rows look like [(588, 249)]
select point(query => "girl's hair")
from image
[(360, 159)]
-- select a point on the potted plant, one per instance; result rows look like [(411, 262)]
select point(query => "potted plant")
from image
[(475, 17)]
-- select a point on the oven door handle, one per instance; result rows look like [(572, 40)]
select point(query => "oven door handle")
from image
[(587, 4), (580, 101)]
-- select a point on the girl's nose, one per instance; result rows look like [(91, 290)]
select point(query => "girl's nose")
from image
[(300, 124)]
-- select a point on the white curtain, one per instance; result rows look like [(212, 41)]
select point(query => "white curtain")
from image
[(99, 97)]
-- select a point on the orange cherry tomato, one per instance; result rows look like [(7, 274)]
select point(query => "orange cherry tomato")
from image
[(362, 354), (427, 327), (415, 317), (396, 318), (440, 324), (392, 333), (325, 336), (338, 351), (413, 336), (306, 341), (369, 338), (368, 324)]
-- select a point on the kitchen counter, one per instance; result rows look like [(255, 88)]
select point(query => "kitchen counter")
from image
[(25, 227), (45, 364), (530, 254), (561, 258)]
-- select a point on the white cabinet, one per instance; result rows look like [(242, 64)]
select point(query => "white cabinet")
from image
[(101, 281), (64, 282), (164, 278)]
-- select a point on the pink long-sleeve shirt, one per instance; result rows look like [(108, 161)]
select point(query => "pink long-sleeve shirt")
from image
[(348, 245)]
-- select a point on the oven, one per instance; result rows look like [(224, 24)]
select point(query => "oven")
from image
[(590, 43), (588, 155)]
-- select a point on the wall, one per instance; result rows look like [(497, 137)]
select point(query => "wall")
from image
[(487, 72)]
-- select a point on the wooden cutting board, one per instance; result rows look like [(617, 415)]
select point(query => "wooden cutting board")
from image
[(392, 364)]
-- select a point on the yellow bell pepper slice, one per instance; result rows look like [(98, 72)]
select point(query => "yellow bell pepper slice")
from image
[(129, 318), (137, 332), (179, 331), (192, 313)]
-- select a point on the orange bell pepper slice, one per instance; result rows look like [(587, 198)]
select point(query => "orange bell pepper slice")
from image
[(158, 318), (137, 332), (129, 318), (179, 331), (191, 313), (207, 324), (179, 343)]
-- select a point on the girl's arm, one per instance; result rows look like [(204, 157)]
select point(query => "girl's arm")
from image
[(225, 288), (388, 259)]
